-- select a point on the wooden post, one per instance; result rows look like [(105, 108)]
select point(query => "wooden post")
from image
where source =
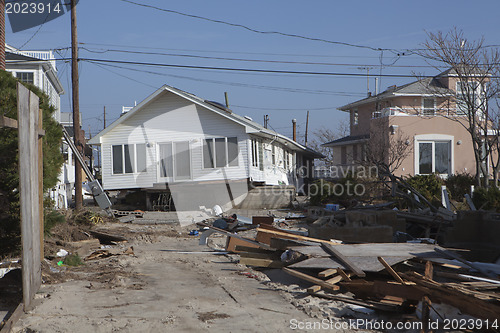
[(27, 106), (426, 302), (76, 106), (40, 180)]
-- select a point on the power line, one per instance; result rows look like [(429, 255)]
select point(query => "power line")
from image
[(247, 85), (184, 55), (258, 31), (248, 70)]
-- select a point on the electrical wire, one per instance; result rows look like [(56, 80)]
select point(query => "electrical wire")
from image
[(258, 31)]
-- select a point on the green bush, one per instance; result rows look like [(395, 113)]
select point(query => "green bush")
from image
[(459, 184), (73, 260), (427, 185), (487, 198)]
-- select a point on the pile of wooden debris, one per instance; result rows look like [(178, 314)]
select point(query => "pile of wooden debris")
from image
[(409, 278)]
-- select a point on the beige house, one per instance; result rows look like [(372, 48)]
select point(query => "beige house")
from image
[(421, 115)]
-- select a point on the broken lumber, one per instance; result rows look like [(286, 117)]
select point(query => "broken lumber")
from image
[(311, 279), (269, 263), (391, 271), (343, 259)]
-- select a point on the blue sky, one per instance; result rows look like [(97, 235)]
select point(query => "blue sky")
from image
[(108, 26)]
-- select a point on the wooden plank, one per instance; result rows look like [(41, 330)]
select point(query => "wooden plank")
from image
[(338, 278), (328, 272), (367, 264), (343, 275), (311, 279), (266, 234), (233, 242), (389, 269), (256, 255), (409, 250), (243, 248), (345, 260), (40, 175), (261, 262), (250, 241), (8, 122), (313, 289)]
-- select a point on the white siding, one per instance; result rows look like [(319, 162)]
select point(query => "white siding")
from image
[(170, 118)]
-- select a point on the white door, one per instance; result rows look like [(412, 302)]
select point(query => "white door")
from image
[(174, 161)]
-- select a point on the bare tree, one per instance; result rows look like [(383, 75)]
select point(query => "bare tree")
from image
[(476, 70), (387, 147), (326, 134)]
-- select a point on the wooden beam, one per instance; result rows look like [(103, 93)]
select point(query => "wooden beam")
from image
[(261, 262), (344, 260), (8, 122), (391, 271), (327, 272), (265, 235), (343, 274), (311, 279)]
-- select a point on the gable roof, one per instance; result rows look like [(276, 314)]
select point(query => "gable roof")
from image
[(250, 126), (426, 86)]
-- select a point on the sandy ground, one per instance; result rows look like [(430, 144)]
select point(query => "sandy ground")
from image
[(161, 289)]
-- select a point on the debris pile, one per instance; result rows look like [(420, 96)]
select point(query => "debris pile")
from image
[(416, 279)]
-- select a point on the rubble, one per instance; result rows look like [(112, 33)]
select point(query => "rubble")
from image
[(405, 278)]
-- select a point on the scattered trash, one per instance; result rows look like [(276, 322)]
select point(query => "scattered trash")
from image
[(62, 253), (193, 233)]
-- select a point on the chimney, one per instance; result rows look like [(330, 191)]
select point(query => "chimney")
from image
[(294, 124)]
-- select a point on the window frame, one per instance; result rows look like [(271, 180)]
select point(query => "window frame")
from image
[(433, 139), (133, 164), (173, 149), (229, 163), (425, 111), (21, 73)]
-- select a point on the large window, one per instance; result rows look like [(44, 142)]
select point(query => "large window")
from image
[(355, 117), (25, 77), (220, 152), (434, 157), (175, 160), (129, 158)]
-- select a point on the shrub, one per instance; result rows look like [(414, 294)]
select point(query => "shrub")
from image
[(342, 191), (427, 185), (459, 184), (487, 198), (73, 260)]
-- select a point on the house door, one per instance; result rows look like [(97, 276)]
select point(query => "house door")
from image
[(174, 161), (434, 157)]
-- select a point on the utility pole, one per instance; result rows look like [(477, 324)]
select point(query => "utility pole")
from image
[(294, 125), (307, 126), (227, 100), (2, 35), (266, 120), (104, 117), (76, 107)]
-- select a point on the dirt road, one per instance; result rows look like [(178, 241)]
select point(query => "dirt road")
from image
[(160, 290)]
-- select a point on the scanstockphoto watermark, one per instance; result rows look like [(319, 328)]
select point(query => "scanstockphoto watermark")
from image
[(353, 324)]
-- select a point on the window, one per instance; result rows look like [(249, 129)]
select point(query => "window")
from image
[(434, 157), (354, 152), (257, 154), (469, 94), (286, 159), (175, 160), (125, 160), (220, 152), (343, 155), (273, 154), (428, 107), (26, 77), (355, 117)]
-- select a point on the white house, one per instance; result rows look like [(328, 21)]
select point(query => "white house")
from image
[(201, 153), (39, 69)]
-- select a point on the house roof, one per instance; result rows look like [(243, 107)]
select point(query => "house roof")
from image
[(346, 140), (426, 86), (251, 126)]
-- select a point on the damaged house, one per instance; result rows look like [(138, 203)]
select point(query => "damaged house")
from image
[(185, 152)]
